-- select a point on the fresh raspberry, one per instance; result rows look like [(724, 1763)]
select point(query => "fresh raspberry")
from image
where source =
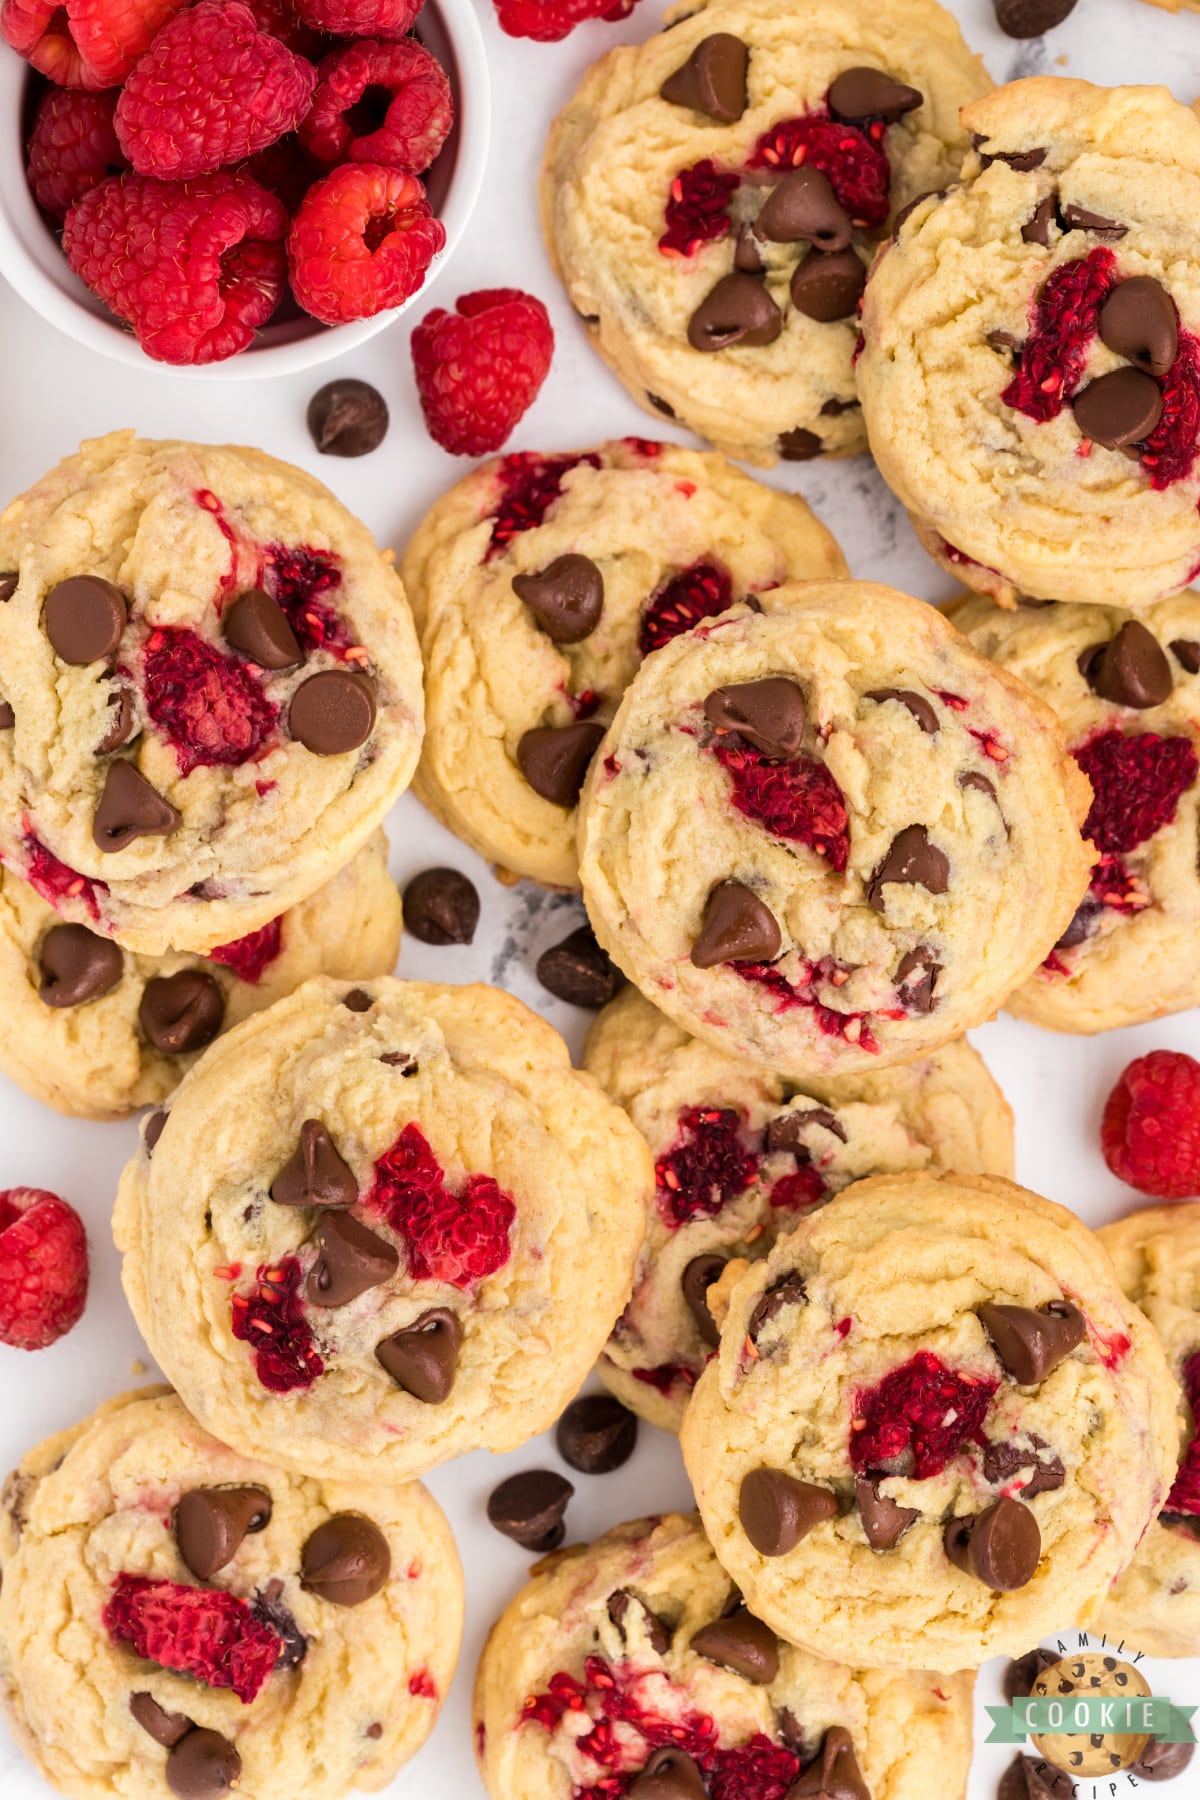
[(271, 1318), (459, 1238), (702, 592), (211, 708), (207, 1633), (83, 43), (294, 576), (195, 267), (920, 1408), (479, 368), (549, 21), (54, 881), (1137, 782), (1184, 1496), (361, 242), (285, 170), (797, 800), (43, 1268), (379, 103), (1063, 323), (1169, 453), (282, 19), (360, 18), (250, 957), (665, 1376), (797, 1192), (706, 1168), (853, 161), (529, 486), (1150, 1131), (697, 209), (72, 147)]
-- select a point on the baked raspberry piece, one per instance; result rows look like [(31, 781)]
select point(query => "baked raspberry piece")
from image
[(1137, 783), (209, 707), (296, 576), (1150, 1130), (361, 18), (1169, 453), (1064, 321), (460, 1238), (43, 1268), (697, 209), (207, 1633), (83, 43), (1185, 1493), (479, 369), (251, 956), (797, 800), (50, 877), (665, 1376), (271, 1319), (799, 1191), (549, 21), (72, 147), (361, 242), (529, 486), (702, 592), (853, 161), (706, 1168), (379, 103), (921, 1412)]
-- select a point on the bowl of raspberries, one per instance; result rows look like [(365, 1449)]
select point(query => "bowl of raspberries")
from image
[(244, 185)]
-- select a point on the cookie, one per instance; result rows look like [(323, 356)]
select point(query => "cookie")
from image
[(210, 690), (1127, 692), (96, 1031), (935, 1430), (1155, 1605), (712, 198), (178, 1619), (829, 835), (640, 1638), (1030, 375), (740, 1156), (538, 584), (409, 1238)]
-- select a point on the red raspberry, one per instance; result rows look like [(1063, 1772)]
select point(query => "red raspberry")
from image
[(921, 1409), (1184, 1496), (284, 170), (529, 486), (379, 103), (83, 43), (1065, 316), (212, 89), (665, 1376), (48, 876), (796, 1192), (195, 267), (207, 1633), (798, 800), (697, 210), (706, 1168), (479, 368), (271, 1318), (282, 19), (853, 161), (548, 21), (702, 592), (361, 241), (43, 1268), (456, 1238), (72, 147), (1150, 1131), (1137, 782), (294, 575), (211, 708), (250, 957), (1171, 449), (361, 18)]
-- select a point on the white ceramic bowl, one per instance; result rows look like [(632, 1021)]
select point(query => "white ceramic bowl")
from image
[(32, 261)]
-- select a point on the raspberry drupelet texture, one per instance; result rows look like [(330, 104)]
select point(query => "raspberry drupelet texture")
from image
[(706, 1168), (853, 161), (798, 800), (529, 486), (72, 148), (921, 1411), (702, 592), (89, 44), (1169, 453), (209, 707), (361, 241), (271, 1320), (1150, 1130), (1185, 1492), (207, 1633), (378, 102), (480, 368), (251, 956), (548, 21), (1137, 783), (360, 18), (1065, 316), (43, 1268), (697, 209), (282, 19), (458, 1238)]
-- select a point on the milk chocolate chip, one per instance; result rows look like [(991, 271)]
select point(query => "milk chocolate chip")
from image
[(912, 861), (346, 1560), (1131, 670), (804, 207), (350, 1261), (883, 1520), (554, 759), (77, 965), (84, 618), (776, 1510), (834, 1773), (736, 927), (130, 808), (698, 1277), (1139, 321), (1000, 1547), (333, 711), (441, 906), (713, 79), (180, 1013), (865, 93), (769, 714), (1122, 407), (258, 627), (827, 285), (596, 1434), (742, 1643), (202, 1766), (566, 599), (423, 1358), (315, 1174), (739, 310), (347, 418), (210, 1524), (670, 1774), (1031, 1344), (529, 1509)]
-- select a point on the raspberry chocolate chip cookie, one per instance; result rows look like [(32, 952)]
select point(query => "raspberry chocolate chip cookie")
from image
[(740, 1157), (97, 1031), (934, 1429), (375, 1261), (1128, 694), (712, 199), (539, 584), (629, 1668), (210, 690), (1031, 370), (177, 1619), (1156, 1602), (807, 821)]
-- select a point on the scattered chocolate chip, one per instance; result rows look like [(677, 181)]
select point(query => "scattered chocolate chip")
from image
[(258, 627), (698, 1277), (828, 285), (1139, 321), (1132, 670), (554, 759), (739, 310), (1078, 218), (1000, 1547), (268, 1606), (916, 978), (8, 585), (315, 1174), (333, 711), (357, 1000), (670, 1774), (346, 1560), (8, 717), (1187, 653), (596, 1434), (776, 1511), (402, 1060), (803, 206), (1003, 1460), (979, 782), (883, 1520), (769, 714), (1031, 1344), (833, 408), (783, 1132), (180, 1013), (657, 1631), (713, 79), (350, 1260), (1022, 161), (210, 1523), (742, 1643), (153, 1130), (864, 93), (347, 418), (1162, 1762), (834, 1773), (84, 618), (921, 709), (578, 970), (736, 927), (1036, 229), (566, 598), (166, 1728), (529, 1508), (906, 212), (789, 1290), (423, 1358), (1083, 923), (912, 861), (799, 445), (130, 808), (120, 725), (441, 906), (1023, 1671), (77, 965), (1026, 1780), (1122, 407), (747, 257), (1031, 18), (202, 1766), (662, 406), (374, 1730)]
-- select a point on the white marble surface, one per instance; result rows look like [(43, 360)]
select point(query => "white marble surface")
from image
[(53, 394)]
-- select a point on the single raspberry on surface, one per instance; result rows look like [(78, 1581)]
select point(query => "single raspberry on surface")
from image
[(43, 1268), (360, 242), (209, 707), (706, 1168), (460, 1238), (921, 1411), (1065, 316), (83, 43), (703, 591), (697, 209), (549, 21), (271, 1319), (1137, 782), (1185, 1493), (251, 956), (529, 486), (361, 18), (852, 161), (479, 369), (72, 147), (207, 1633), (797, 800), (377, 102), (1150, 1129)]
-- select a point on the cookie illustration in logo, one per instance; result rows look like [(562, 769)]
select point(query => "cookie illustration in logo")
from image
[(1091, 1752)]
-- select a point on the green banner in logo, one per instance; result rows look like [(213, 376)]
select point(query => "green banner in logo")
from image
[(1039, 1715)]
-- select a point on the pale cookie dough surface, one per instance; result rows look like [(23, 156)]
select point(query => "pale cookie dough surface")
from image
[(93, 1060), (1129, 953), (727, 1187), (894, 1270), (1155, 1604), (617, 148), (990, 784), (1008, 502), (184, 530), (97, 1501), (911, 1732), (509, 1173), (672, 533)]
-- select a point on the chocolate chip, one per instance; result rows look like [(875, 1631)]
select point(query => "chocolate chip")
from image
[(883, 1520), (783, 1132), (374, 1730), (670, 1774), (77, 965), (736, 927), (130, 808), (1162, 1762), (1139, 321), (153, 1130), (202, 1766), (350, 1260), (662, 406), (788, 1291), (776, 1511), (554, 759), (916, 977), (864, 93), (423, 1358), (1187, 654), (657, 1631), (1003, 1460), (120, 725), (906, 212), (713, 79), (315, 1174), (182, 1012), (979, 782), (1026, 1780), (1078, 218), (1000, 1547), (828, 285), (739, 310), (921, 709), (578, 970), (1031, 1344), (596, 1434), (529, 1508), (441, 906), (804, 207), (799, 445), (84, 618), (1132, 670), (769, 714), (1036, 229), (258, 627), (347, 418), (834, 1773), (346, 1560), (333, 712), (742, 1643), (1004, 340), (8, 717), (747, 257), (210, 1524), (1122, 407), (698, 1277), (1031, 18), (1021, 160), (402, 1060), (1023, 1671), (566, 598), (357, 1000), (268, 1606), (8, 585), (166, 1728), (912, 861)]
